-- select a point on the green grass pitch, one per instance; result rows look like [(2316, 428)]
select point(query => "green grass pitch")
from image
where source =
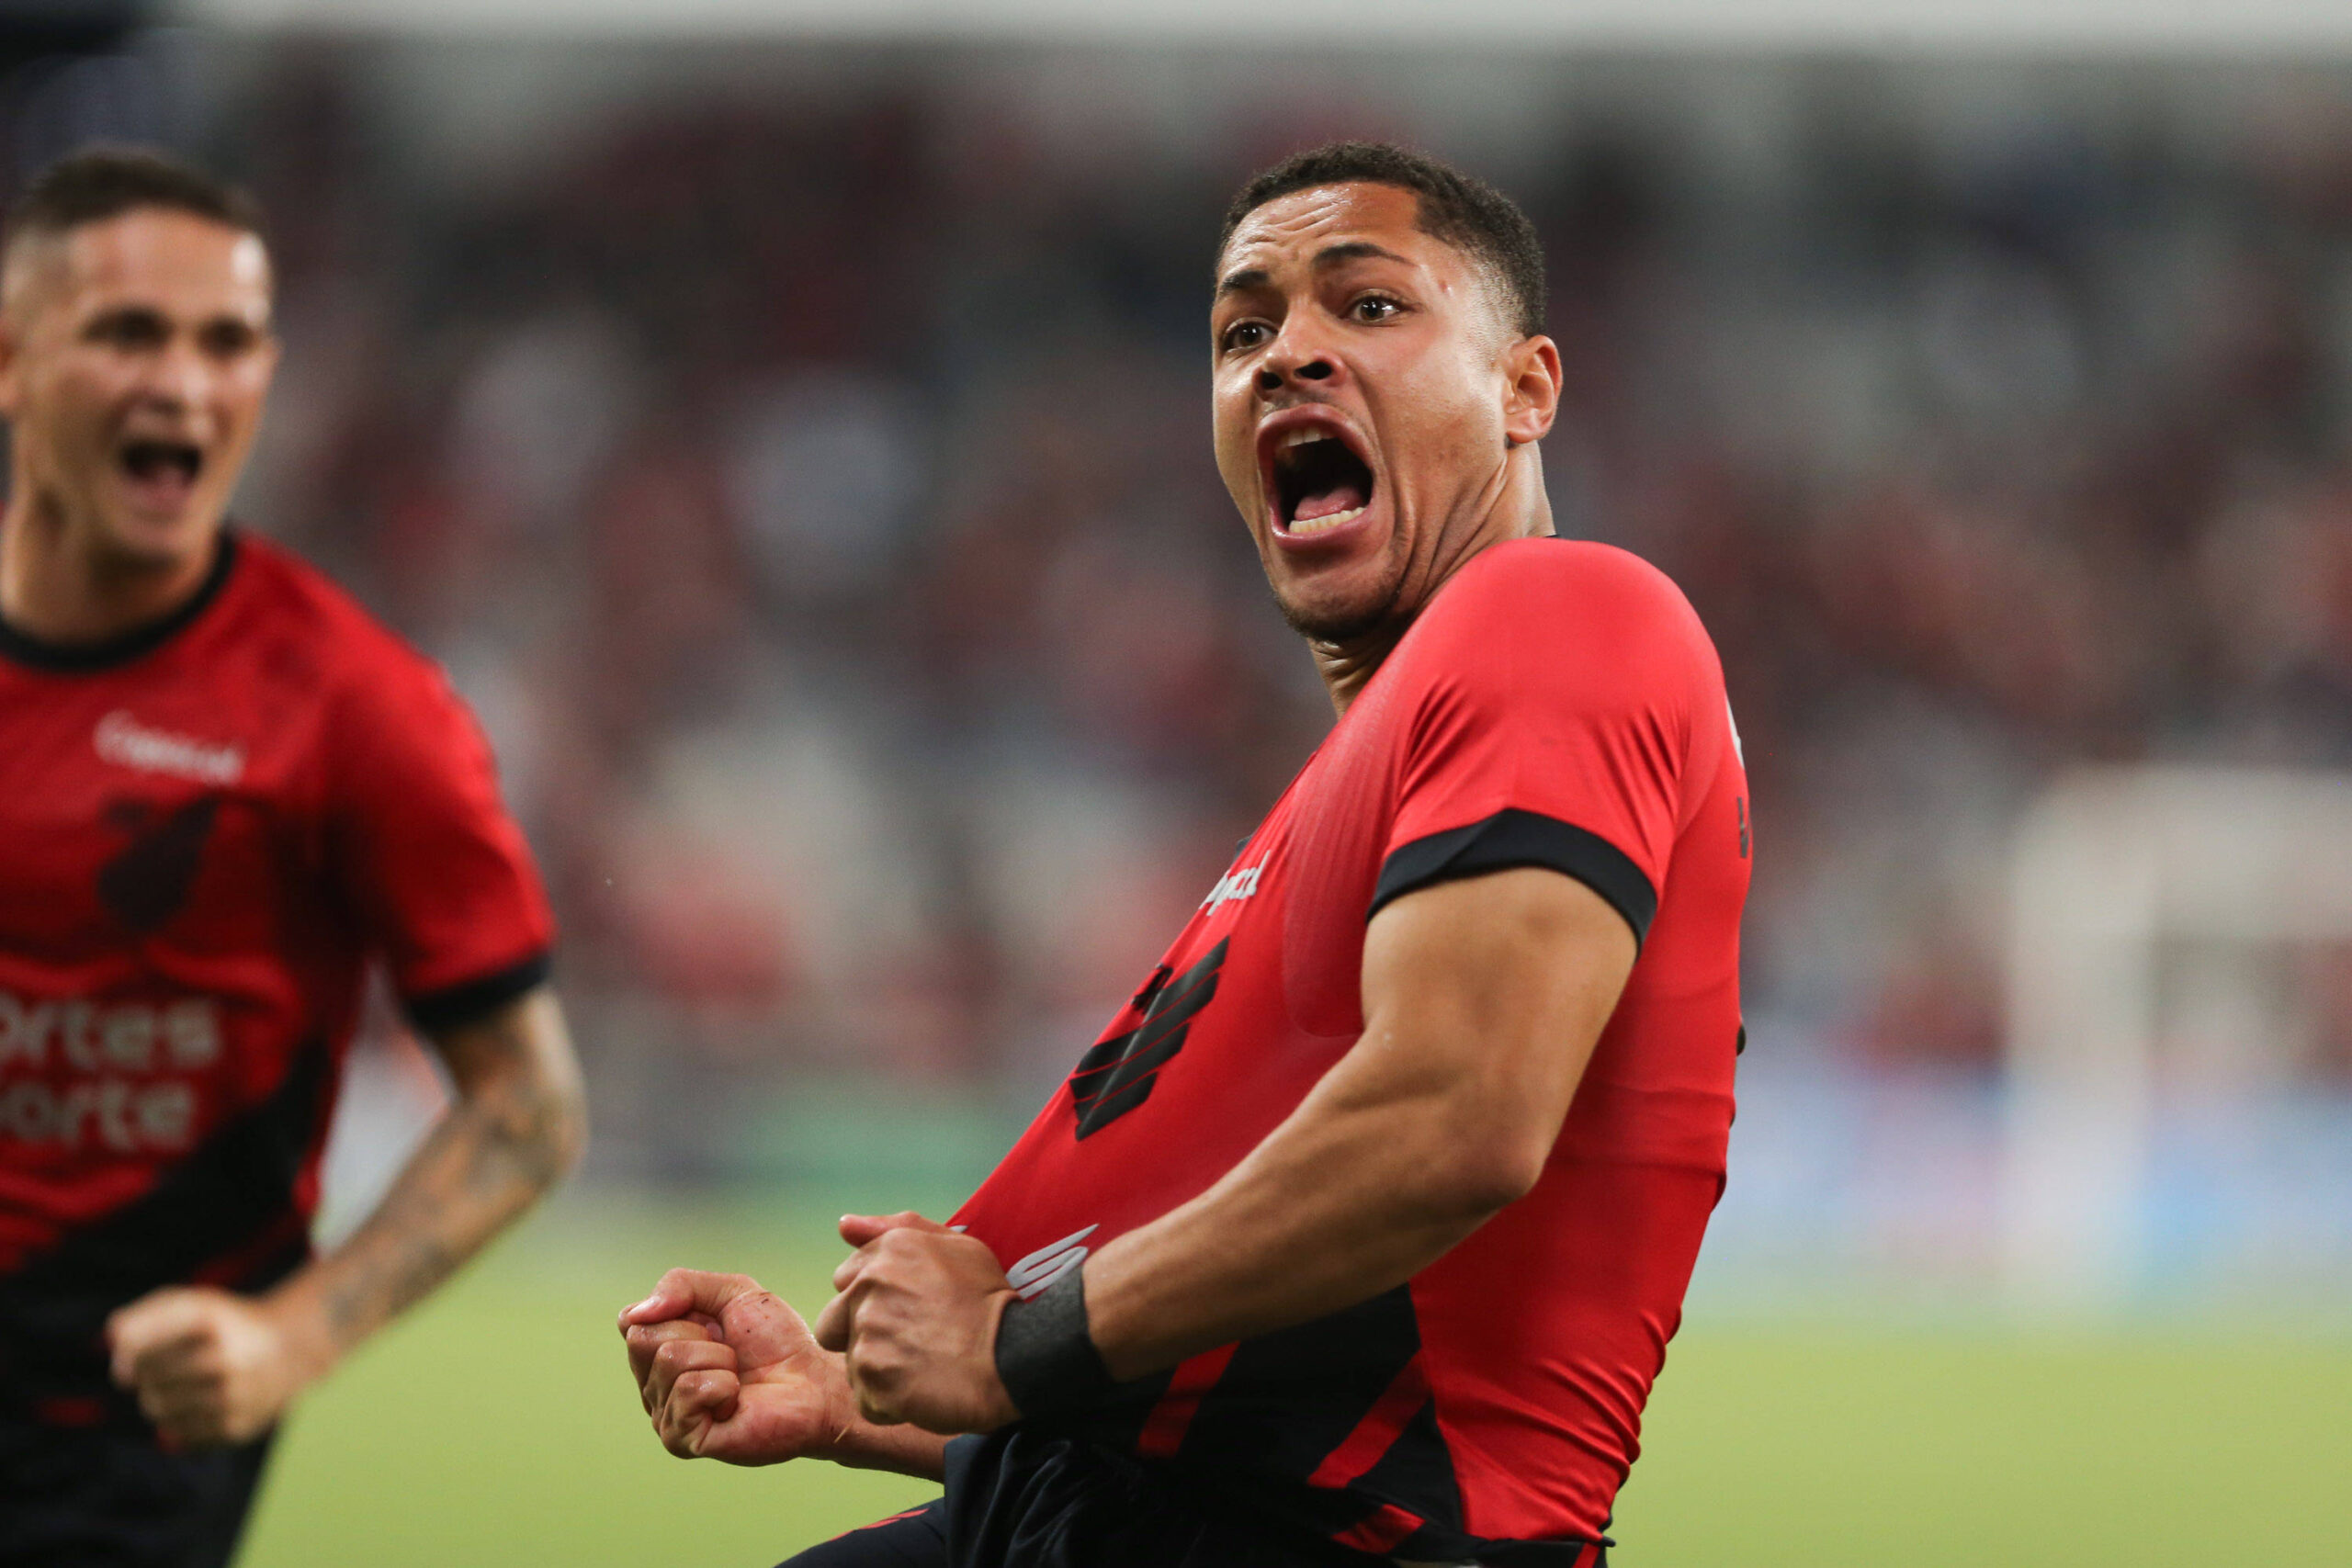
[(497, 1426)]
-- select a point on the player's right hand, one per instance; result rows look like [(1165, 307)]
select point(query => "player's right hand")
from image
[(728, 1372)]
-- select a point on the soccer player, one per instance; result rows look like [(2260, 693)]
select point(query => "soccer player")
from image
[(223, 789), (1360, 1233)]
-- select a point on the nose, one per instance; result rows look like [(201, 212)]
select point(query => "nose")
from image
[(178, 376), (1295, 359), (1272, 378)]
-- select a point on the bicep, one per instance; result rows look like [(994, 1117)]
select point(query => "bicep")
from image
[(1492, 990)]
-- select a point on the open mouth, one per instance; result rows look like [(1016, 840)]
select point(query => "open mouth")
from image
[(167, 462), (1319, 483)]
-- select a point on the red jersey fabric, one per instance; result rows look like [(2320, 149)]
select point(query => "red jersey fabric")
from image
[(209, 828), (1558, 705)]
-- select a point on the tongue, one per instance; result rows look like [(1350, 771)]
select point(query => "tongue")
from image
[(1344, 497), (159, 482)]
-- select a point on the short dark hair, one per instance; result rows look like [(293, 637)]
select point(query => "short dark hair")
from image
[(99, 182), (1461, 209)]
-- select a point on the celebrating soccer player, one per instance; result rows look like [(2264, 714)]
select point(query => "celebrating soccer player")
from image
[(223, 789), (1360, 1233)]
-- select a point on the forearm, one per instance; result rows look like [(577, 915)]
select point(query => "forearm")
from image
[(1349, 1198), (516, 1127), (901, 1449), (1483, 1001)]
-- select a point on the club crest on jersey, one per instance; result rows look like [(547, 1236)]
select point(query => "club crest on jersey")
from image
[(1116, 1076), (126, 743), (1233, 887), (148, 882)]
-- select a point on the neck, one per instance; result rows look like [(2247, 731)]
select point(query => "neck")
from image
[(59, 585), (1513, 505)]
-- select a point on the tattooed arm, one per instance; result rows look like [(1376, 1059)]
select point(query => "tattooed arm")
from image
[(517, 1125), (210, 1367)]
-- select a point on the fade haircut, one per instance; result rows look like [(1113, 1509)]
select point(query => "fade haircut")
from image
[(1461, 209), (104, 182)]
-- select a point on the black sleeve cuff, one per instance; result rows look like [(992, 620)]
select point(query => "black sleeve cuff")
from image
[(1514, 838), (454, 1007), (1046, 1355)]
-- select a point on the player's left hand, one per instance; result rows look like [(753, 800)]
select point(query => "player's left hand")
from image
[(208, 1367), (917, 1316)]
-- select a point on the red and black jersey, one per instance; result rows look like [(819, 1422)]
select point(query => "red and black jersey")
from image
[(207, 828), (1558, 705)]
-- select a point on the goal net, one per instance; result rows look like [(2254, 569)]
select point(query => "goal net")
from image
[(2149, 908)]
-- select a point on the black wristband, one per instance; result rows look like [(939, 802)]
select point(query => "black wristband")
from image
[(1045, 1355)]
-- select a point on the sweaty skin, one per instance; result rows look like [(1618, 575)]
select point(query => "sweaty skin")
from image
[(153, 327), (1333, 309), (1482, 997)]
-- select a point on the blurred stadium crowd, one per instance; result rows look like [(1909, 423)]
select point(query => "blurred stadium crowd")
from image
[(810, 487)]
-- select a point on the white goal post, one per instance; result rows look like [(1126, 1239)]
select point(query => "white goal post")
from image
[(2109, 866)]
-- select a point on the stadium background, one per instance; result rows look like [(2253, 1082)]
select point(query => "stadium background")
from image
[(794, 444)]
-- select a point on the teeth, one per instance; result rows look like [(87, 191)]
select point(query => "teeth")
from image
[(1300, 438), (1324, 524)]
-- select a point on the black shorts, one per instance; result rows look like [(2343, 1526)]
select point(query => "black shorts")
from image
[(106, 1496), (1017, 1500)]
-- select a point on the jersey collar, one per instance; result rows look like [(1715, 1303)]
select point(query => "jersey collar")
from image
[(88, 657)]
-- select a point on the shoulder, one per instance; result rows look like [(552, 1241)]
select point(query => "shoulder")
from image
[(1556, 577), (1550, 607), (381, 700), (339, 634)]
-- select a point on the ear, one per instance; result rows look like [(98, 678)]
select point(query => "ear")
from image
[(1532, 389)]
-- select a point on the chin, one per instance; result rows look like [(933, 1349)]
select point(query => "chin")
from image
[(158, 543), (1338, 617)]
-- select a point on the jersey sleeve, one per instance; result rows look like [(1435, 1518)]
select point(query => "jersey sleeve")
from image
[(1556, 707), (425, 852)]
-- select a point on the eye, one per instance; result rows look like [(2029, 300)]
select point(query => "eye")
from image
[(1370, 307), (1243, 335), (227, 340), (128, 329)]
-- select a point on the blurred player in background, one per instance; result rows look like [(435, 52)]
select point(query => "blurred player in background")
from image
[(223, 790), (1360, 1233)]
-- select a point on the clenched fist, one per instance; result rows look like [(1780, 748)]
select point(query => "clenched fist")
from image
[(728, 1372), (916, 1321), (208, 1367)]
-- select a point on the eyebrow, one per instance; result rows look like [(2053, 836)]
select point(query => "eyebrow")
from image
[(124, 310), (1329, 255)]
